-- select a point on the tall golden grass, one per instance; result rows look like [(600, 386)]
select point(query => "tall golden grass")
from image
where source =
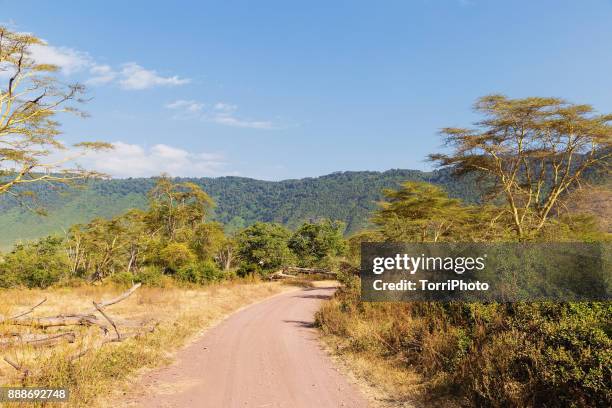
[(181, 313)]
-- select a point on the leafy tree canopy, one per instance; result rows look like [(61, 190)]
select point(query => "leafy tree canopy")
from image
[(313, 242), (264, 246), (532, 150)]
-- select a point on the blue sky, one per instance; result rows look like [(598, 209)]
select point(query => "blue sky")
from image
[(282, 89)]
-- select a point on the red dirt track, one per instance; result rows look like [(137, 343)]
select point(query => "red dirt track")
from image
[(266, 355)]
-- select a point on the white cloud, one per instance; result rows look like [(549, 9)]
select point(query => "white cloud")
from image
[(225, 107), (220, 113), (186, 106), (102, 74), (133, 76), (131, 160), (69, 60)]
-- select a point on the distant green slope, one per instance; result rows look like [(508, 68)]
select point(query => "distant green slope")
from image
[(347, 196)]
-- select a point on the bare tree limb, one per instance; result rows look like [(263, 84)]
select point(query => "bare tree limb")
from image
[(107, 318), (12, 363), (118, 299), (19, 367), (24, 313)]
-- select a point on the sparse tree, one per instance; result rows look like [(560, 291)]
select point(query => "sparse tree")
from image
[(532, 151), (98, 248), (226, 256), (177, 208), (207, 239), (29, 103)]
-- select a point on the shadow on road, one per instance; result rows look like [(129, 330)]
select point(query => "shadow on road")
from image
[(301, 323), (323, 297)]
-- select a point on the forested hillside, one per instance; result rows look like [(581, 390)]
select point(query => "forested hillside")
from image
[(346, 196)]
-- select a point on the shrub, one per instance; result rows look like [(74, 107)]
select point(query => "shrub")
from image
[(248, 268), (124, 278), (314, 244), (152, 276), (38, 264), (176, 255), (265, 244), (200, 273)]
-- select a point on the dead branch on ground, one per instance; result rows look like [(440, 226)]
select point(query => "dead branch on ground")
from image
[(118, 299), (30, 310), (293, 271), (87, 319), (99, 308), (19, 367), (54, 321), (37, 340)]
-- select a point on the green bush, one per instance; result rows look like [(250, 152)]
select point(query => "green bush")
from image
[(314, 244), (249, 268), (265, 244), (124, 278), (36, 265), (176, 255), (151, 276), (199, 273)]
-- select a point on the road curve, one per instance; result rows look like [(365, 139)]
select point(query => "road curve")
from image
[(264, 356)]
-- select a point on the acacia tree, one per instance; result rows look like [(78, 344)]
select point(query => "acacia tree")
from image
[(29, 103), (419, 211), (171, 234), (98, 249), (177, 207), (533, 150), (207, 239)]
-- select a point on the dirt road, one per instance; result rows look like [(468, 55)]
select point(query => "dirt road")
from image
[(266, 355)]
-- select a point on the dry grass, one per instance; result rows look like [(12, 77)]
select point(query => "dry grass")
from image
[(376, 345), (386, 383), (473, 354), (181, 312)]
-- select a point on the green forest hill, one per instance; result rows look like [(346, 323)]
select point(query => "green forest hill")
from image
[(347, 196)]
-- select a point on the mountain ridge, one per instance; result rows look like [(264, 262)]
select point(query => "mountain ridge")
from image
[(349, 196)]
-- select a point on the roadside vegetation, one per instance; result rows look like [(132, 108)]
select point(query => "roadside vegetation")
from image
[(531, 155)]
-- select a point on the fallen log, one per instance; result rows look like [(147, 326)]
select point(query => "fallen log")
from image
[(62, 320), (37, 340), (280, 275), (309, 271)]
